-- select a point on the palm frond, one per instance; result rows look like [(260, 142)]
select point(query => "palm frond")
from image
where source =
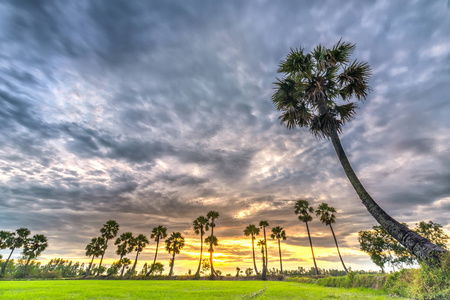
[(341, 52), (346, 112), (355, 80)]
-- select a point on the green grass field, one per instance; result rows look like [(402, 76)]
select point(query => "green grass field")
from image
[(174, 289)]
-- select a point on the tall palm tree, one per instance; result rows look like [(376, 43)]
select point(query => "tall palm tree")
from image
[(14, 240), (212, 216), (139, 244), (307, 95), (125, 244), (34, 247), (158, 233), (279, 234), (173, 245), (95, 248), (108, 231), (201, 225), (253, 231), (327, 217), (262, 243), (263, 225), (302, 209)]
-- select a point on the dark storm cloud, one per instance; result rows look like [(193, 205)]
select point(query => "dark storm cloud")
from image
[(161, 111)]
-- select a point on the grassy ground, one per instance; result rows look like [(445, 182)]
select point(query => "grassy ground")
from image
[(174, 289)]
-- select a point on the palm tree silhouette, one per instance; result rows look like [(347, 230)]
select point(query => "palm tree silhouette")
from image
[(125, 244), (95, 248), (279, 234), (327, 217), (34, 247), (108, 231), (200, 225), (263, 225), (212, 216), (307, 95), (253, 231), (302, 209), (14, 240), (262, 244), (173, 245), (139, 244), (158, 233)]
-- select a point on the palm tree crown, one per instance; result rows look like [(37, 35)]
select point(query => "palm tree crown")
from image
[(326, 213), (35, 246), (158, 233), (278, 233), (200, 225), (125, 244), (302, 209), (312, 83), (110, 229), (175, 243), (251, 230)]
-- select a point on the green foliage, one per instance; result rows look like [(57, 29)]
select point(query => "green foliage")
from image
[(158, 268), (433, 283)]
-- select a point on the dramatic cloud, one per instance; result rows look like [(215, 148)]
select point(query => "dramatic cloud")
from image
[(154, 113)]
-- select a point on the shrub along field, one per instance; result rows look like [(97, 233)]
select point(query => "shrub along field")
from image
[(174, 289)]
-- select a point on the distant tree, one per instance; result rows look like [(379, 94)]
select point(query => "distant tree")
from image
[(308, 96), (262, 244), (238, 271), (173, 245), (14, 240), (95, 248), (432, 232), (125, 264), (158, 233), (34, 247), (378, 244), (108, 231), (158, 268), (125, 244), (212, 216), (302, 209), (248, 272), (263, 225), (327, 217), (279, 234), (139, 244), (201, 225), (253, 231), (205, 265), (114, 269)]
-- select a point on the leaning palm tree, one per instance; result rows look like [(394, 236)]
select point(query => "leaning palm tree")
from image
[(34, 247), (263, 225), (108, 231), (262, 243), (139, 244), (279, 234), (158, 233), (125, 244), (14, 240), (253, 231), (173, 245), (95, 248), (327, 217), (201, 225), (307, 95), (302, 209), (212, 216)]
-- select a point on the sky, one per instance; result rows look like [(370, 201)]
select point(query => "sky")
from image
[(156, 112)]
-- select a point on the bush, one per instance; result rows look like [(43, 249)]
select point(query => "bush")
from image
[(301, 279)]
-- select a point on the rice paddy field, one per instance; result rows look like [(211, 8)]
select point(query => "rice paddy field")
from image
[(175, 289)]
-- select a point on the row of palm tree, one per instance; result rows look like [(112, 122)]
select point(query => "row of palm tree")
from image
[(32, 247), (327, 217)]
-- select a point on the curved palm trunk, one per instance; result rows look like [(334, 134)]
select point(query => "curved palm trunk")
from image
[(173, 262), (6, 263), (312, 251), (265, 246), (154, 261), (254, 261), (264, 271), (416, 244), (201, 254), (337, 247), (211, 250), (135, 262), (101, 259), (279, 251), (89, 269)]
